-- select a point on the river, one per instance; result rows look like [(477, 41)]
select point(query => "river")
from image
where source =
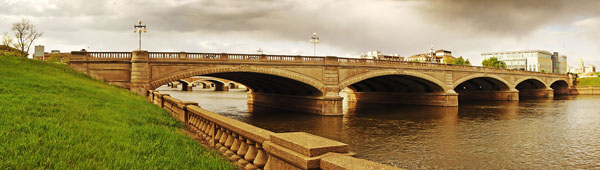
[(563, 133)]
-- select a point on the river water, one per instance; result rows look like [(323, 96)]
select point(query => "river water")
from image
[(563, 133)]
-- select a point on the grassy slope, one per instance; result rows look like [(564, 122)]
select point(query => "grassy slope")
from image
[(589, 81), (53, 117)]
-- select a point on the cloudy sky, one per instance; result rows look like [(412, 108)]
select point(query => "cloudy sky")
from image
[(346, 27)]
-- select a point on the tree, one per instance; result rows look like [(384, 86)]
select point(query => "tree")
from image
[(25, 34), (6, 39), (493, 62), (461, 61)]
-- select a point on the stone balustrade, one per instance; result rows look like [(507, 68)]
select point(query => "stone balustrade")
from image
[(178, 56), (252, 148)]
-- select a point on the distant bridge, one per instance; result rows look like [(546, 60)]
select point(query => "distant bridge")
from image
[(205, 82), (312, 84)]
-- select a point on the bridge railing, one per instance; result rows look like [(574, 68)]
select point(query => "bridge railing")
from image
[(251, 147), (109, 55), (183, 56)]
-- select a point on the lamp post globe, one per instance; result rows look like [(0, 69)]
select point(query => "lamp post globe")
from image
[(138, 28), (314, 39)]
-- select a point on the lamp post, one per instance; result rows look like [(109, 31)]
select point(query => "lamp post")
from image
[(138, 28), (259, 51), (314, 40)]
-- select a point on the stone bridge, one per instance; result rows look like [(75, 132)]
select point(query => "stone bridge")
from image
[(205, 82), (313, 84)]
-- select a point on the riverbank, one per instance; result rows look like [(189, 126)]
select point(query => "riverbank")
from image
[(589, 81), (52, 117), (586, 86)]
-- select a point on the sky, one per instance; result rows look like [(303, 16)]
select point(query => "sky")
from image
[(346, 28)]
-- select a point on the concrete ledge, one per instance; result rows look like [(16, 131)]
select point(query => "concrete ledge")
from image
[(336, 161), (308, 144), (585, 91)]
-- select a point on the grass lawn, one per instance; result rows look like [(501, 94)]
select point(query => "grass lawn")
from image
[(588, 81), (52, 117)]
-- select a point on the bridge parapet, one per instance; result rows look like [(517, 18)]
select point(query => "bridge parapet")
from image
[(251, 147), (183, 56)]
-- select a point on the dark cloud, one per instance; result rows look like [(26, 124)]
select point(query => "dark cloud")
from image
[(467, 27), (507, 17)]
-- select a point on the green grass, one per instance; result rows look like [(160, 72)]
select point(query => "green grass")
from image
[(52, 117), (588, 81)]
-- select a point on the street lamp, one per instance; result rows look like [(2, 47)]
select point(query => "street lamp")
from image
[(314, 40), (138, 28)]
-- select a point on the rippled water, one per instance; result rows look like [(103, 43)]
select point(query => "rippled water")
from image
[(563, 133)]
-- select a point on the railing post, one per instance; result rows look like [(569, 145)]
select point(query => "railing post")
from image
[(262, 57), (182, 55), (224, 56), (331, 60), (76, 57), (186, 112), (162, 100)]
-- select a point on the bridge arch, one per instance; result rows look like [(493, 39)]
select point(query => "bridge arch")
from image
[(560, 86), (554, 81), (535, 80), (497, 80), (431, 81), (255, 78), (485, 87)]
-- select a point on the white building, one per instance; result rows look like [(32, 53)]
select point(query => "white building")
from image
[(39, 51), (531, 60), (380, 56), (580, 68)]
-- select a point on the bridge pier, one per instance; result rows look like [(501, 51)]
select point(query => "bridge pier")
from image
[(536, 93), (428, 99), (140, 72), (221, 87), (186, 87), (326, 105), (512, 95)]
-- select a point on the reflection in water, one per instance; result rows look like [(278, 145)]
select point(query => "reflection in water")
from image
[(563, 133)]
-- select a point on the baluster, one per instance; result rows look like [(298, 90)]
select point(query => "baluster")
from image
[(261, 158), (201, 127), (226, 149), (234, 147), (204, 127), (210, 138), (250, 154), (241, 151), (223, 140), (191, 122), (220, 134), (208, 131)]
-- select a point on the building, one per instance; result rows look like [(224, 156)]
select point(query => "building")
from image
[(439, 56), (39, 52), (531, 60), (377, 55), (580, 68), (559, 64)]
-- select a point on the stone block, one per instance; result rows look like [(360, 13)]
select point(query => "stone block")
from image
[(343, 162), (308, 144)]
